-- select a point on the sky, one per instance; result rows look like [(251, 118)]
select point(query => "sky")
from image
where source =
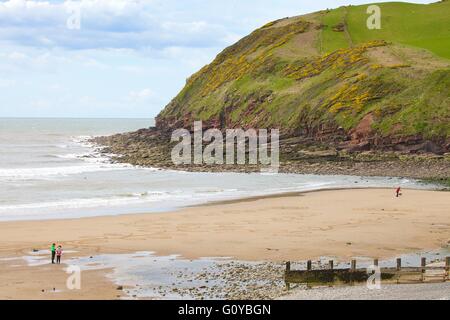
[(119, 58)]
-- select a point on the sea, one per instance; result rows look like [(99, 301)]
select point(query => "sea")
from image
[(50, 170)]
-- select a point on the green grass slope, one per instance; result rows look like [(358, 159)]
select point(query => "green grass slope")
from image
[(418, 25), (326, 73)]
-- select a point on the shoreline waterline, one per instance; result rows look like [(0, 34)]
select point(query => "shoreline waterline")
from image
[(51, 169), (290, 221), (110, 211)]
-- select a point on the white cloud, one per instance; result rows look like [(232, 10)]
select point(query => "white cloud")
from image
[(6, 83), (55, 87), (131, 69), (186, 27), (105, 24), (40, 104), (16, 55), (140, 94)]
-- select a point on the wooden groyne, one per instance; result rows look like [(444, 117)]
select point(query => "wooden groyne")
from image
[(398, 274)]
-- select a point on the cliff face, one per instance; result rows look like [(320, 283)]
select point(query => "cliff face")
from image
[(327, 77)]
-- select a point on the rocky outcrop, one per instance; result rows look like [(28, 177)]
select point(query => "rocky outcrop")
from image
[(152, 148)]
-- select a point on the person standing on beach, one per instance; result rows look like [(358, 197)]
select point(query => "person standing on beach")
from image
[(58, 255), (53, 250), (397, 192)]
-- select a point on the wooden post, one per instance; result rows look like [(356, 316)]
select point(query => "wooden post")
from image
[(423, 264), (399, 267), (288, 269), (331, 264), (352, 268), (447, 268), (399, 264), (375, 262), (308, 265)]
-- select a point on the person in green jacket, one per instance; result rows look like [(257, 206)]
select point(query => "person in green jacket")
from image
[(53, 249)]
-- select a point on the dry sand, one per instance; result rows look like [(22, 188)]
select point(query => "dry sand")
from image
[(342, 223)]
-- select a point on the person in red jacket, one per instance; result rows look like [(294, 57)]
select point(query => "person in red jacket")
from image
[(397, 192), (58, 254)]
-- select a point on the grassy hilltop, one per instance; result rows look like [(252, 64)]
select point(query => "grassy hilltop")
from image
[(327, 77)]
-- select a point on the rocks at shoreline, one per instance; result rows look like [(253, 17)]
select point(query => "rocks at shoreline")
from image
[(152, 148), (233, 280)]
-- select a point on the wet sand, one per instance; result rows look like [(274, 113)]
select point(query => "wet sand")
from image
[(341, 223), (18, 280)]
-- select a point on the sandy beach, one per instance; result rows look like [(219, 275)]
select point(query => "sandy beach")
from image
[(341, 223)]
